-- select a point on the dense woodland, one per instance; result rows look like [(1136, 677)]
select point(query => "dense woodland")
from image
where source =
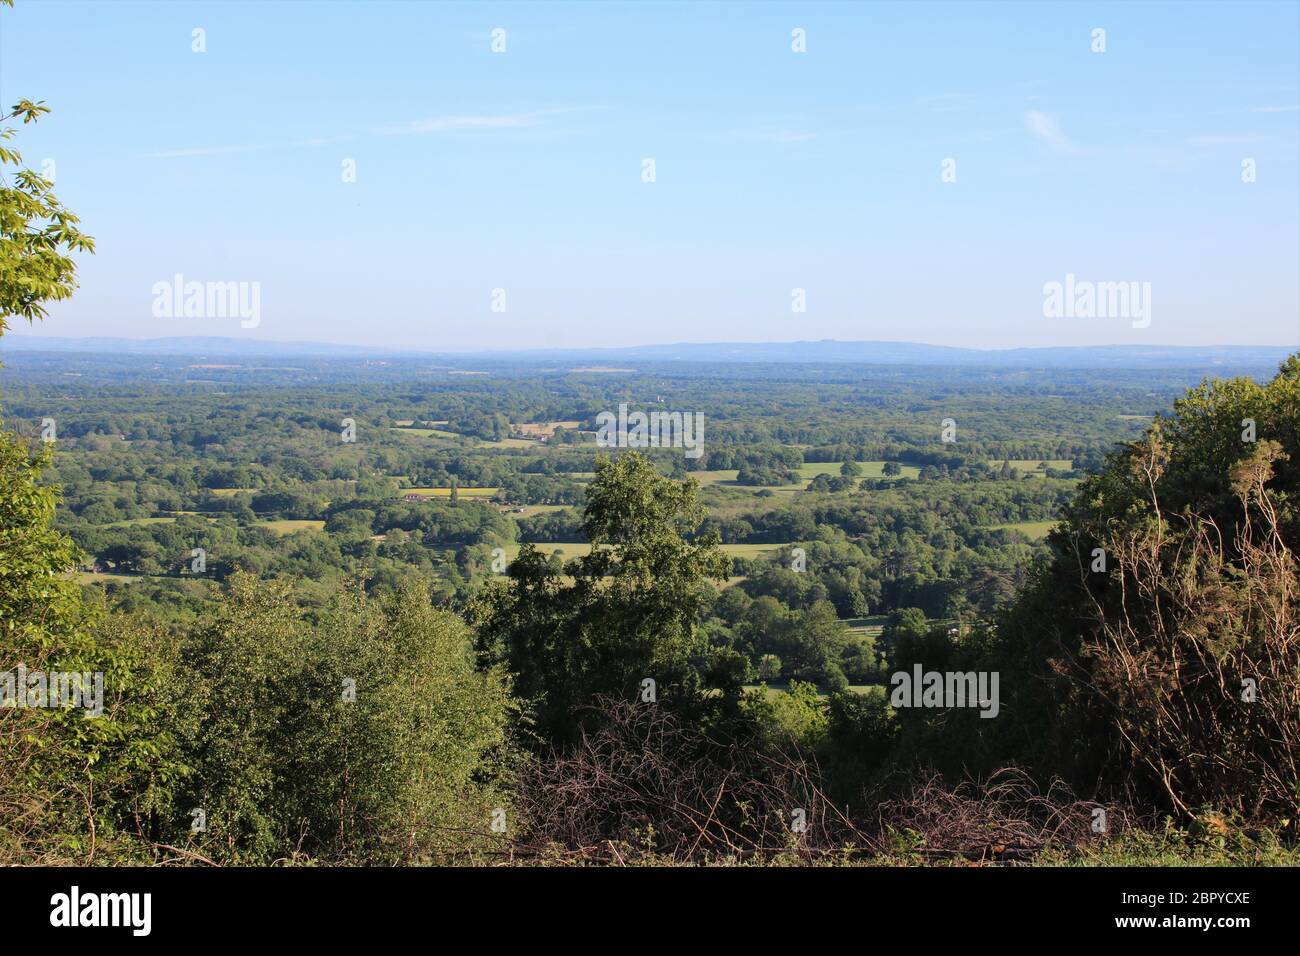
[(495, 589), (889, 516)]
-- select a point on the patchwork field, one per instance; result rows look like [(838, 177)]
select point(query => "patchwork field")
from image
[(870, 469), (137, 522), (779, 687), (574, 549), (290, 525), (1031, 464), (1034, 530), (537, 429), (868, 626), (527, 511), (807, 472), (103, 577), (568, 549), (425, 433), (446, 492), (753, 550)]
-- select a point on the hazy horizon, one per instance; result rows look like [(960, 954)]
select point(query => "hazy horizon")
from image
[(25, 341)]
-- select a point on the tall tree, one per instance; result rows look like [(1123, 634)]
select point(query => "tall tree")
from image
[(1161, 644), (625, 614), (37, 232), (45, 755)]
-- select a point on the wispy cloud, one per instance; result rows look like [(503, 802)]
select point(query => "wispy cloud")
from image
[(1274, 109), (451, 124), (1047, 129), (226, 150), (430, 125)]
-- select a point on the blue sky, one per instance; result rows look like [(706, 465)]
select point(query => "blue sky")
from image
[(775, 170)]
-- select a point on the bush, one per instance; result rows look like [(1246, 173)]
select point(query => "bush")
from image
[(371, 738)]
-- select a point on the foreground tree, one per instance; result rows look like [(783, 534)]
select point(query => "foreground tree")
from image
[(627, 613), (47, 757), (1159, 651), (369, 738), (37, 232)]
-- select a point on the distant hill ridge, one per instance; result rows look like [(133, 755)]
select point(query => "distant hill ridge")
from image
[(825, 351)]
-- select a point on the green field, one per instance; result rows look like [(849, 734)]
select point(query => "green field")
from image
[(425, 432), (91, 577), (871, 626), (105, 577), (290, 525), (782, 686), (870, 469), (807, 472), (574, 549), (446, 492), (1035, 530), (282, 526), (537, 429), (568, 549), (530, 510), (714, 477), (753, 550), (1031, 464), (511, 443)]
